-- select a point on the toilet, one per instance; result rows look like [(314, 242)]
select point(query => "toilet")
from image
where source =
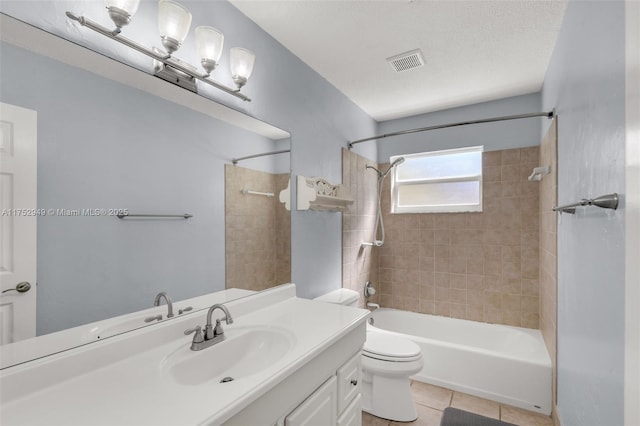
[(388, 360)]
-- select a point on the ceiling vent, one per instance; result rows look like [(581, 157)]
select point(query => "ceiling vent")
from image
[(406, 61)]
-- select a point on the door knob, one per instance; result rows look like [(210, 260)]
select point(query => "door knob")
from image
[(22, 287)]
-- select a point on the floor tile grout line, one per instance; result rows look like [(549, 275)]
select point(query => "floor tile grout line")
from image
[(427, 406)]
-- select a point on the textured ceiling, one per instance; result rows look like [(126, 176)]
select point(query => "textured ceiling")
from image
[(475, 51)]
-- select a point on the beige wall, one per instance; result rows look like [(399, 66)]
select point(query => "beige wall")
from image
[(258, 230), (477, 266), (548, 246)]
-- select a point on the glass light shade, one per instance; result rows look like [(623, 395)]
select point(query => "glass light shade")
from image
[(121, 11), (174, 21), (241, 61), (128, 6), (209, 42)]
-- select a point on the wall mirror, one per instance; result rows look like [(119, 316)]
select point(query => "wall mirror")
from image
[(105, 147)]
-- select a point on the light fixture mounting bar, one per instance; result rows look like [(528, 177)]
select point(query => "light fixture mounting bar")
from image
[(165, 59)]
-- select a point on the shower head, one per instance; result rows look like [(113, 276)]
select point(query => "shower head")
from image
[(382, 175), (397, 162), (379, 221)]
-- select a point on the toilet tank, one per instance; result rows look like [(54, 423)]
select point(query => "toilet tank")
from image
[(342, 296)]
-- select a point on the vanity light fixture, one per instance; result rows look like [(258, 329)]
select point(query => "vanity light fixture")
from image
[(174, 21), (121, 11), (241, 65), (209, 43)]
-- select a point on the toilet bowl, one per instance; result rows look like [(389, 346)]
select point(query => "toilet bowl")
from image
[(388, 361)]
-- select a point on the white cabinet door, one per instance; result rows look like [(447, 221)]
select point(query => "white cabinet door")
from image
[(320, 409), (349, 381), (352, 415), (18, 186)]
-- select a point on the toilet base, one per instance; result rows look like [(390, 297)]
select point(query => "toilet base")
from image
[(388, 397)]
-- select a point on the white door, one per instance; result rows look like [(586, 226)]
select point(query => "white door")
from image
[(18, 187)]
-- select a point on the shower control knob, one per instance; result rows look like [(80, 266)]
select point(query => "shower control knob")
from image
[(354, 382), (369, 290)]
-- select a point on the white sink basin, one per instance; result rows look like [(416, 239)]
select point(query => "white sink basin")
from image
[(244, 352)]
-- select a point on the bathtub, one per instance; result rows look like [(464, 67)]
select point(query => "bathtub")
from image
[(506, 364)]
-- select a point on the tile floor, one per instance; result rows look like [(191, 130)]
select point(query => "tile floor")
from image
[(432, 400)]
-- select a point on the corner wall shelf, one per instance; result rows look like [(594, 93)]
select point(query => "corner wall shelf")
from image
[(318, 194)]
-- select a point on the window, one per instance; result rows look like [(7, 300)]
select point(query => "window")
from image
[(438, 182)]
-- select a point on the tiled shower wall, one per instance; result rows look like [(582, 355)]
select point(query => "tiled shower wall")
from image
[(359, 264), (548, 246), (477, 266), (258, 230), (283, 232)]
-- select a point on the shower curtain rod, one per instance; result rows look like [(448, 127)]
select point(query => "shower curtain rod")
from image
[(235, 160), (549, 114)]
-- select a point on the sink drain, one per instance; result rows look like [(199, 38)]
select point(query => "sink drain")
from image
[(226, 380)]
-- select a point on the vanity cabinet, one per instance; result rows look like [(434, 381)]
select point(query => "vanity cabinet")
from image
[(352, 415), (349, 381), (324, 391), (315, 380), (336, 402), (319, 409)]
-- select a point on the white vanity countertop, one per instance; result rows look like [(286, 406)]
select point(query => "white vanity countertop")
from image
[(123, 380)]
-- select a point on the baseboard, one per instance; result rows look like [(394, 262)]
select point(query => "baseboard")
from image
[(554, 416)]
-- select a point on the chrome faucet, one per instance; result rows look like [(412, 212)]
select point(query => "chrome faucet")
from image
[(209, 331), (159, 296), (212, 335)]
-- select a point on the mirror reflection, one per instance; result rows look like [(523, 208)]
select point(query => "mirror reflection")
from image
[(106, 149), (258, 231)]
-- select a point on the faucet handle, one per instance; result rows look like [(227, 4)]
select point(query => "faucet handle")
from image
[(187, 309), (197, 337), (218, 331)]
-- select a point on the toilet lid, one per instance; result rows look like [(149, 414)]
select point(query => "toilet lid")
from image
[(389, 346)]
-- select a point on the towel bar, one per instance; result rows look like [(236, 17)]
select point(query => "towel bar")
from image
[(609, 201), (156, 216)]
